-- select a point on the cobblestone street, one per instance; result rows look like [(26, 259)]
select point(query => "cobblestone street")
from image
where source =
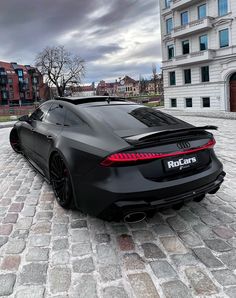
[(46, 251)]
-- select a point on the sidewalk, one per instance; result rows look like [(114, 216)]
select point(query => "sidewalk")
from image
[(7, 124), (215, 114)]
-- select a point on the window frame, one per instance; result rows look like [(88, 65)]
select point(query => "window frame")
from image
[(202, 75), (204, 35), (45, 113), (190, 76), (182, 21), (172, 83), (220, 44), (204, 98), (198, 11), (48, 115), (168, 51), (172, 100), (167, 3), (169, 29), (187, 40), (219, 8), (186, 100)]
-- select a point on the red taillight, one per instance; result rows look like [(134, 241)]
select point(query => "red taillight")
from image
[(123, 157)]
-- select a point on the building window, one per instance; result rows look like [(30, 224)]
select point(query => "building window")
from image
[(4, 95), (206, 103), (202, 11), (205, 74), (188, 102), (184, 18), (169, 25), (224, 38), (222, 7), (171, 52), (203, 41), (20, 73), (185, 47), (187, 76), (172, 78), (173, 102), (167, 3)]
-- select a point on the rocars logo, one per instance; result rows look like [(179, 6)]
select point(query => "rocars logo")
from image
[(181, 163)]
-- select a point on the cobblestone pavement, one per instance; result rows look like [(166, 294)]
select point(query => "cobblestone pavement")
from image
[(46, 251)]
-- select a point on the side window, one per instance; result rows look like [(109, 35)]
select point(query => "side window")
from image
[(71, 119), (41, 112), (55, 114)]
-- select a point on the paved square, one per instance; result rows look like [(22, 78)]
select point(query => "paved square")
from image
[(46, 251)]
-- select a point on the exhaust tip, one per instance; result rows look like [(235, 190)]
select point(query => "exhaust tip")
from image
[(135, 217)]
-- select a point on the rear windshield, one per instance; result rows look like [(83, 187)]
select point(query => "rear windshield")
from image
[(124, 117)]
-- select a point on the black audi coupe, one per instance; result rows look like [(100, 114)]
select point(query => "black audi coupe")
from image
[(111, 158)]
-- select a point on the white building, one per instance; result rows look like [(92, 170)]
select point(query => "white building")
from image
[(199, 54)]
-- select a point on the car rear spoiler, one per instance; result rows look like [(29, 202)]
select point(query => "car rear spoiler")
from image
[(149, 135)]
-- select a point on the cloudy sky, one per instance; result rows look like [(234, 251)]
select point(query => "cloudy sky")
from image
[(115, 37)]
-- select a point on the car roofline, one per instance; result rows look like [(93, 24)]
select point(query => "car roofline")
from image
[(90, 99)]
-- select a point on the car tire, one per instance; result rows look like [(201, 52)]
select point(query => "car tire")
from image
[(15, 141), (61, 182)]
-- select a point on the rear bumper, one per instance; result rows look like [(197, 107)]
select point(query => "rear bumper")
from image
[(106, 194), (172, 200)]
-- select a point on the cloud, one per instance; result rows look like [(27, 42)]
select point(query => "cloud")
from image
[(114, 37)]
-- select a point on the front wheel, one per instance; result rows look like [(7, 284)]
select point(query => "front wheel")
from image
[(61, 181), (15, 141)]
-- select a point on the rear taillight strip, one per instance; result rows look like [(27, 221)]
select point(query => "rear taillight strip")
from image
[(124, 157)]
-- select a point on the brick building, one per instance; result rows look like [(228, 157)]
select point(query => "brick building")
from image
[(107, 88), (20, 84)]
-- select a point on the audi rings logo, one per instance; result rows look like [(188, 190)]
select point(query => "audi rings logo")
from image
[(183, 145)]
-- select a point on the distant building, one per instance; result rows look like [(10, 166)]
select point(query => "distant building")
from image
[(199, 54), (20, 84), (128, 87), (106, 88), (88, 90), (152, 87)]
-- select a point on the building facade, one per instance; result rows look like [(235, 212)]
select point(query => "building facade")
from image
[(123, 87), (20, 84), (199, 54), (83, 91)]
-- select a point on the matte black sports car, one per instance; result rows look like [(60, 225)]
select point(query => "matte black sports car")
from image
[(109, 157)]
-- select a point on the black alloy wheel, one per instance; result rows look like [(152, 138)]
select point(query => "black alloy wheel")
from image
[(61, 181), (14, 141)]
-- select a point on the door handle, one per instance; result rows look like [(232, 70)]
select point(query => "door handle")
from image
[(49, 137), (32, 129)]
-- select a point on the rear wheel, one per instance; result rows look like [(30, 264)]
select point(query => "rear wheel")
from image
[(61, 181), (15, 141)]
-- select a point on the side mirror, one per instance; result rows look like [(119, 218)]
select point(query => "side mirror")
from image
[(24, 118)]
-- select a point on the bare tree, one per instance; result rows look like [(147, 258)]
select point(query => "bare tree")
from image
[(155, 77), (143, 84), (60, 67)]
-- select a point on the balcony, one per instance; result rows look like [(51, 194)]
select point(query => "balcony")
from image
[(181, 4), (192, 58), (192, 28)]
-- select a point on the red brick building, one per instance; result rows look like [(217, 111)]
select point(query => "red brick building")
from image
[(104, 88), (20, 84)]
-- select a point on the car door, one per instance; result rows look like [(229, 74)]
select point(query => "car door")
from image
[(47, 133), (26, 131)]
